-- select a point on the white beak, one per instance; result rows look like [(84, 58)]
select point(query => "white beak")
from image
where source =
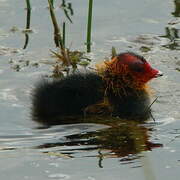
[(159, 74)]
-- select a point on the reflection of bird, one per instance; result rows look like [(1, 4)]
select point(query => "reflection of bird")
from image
[(126, 140), (118, 88)]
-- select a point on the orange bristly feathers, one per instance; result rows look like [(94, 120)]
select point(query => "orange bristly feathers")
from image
[(118, 77)]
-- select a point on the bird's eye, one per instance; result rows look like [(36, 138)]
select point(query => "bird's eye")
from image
[(137, 67)]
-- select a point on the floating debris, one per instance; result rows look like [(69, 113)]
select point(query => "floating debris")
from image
[(174, 21), (8, 51), (58, 154), (144, 49), (14, 29), (27, 31)]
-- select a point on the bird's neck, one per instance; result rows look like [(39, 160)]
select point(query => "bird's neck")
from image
[(123, 85)]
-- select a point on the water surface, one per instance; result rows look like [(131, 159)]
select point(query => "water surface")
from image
[(92, 151)]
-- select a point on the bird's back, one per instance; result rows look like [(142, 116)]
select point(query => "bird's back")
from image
[(68, 96)]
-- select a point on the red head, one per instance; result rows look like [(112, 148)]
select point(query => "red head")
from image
[(133, 69)]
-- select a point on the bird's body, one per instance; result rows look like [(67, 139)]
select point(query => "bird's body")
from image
[(68, 96), (118, 88)]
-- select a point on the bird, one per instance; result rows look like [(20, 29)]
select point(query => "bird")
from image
[(117, 88)]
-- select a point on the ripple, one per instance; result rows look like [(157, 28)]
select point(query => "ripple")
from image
[(165, 121), (59, 176)]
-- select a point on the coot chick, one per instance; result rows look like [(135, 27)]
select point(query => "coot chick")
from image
[(117, 88)]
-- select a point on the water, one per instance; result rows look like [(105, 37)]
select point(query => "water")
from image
[(91, 151)]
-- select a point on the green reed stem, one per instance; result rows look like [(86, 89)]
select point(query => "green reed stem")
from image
[(28, 14), (64, 34), (52, 2), (88, 43), (28, 22), (28, 4)]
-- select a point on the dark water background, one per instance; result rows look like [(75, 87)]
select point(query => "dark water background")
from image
[(90, 151)]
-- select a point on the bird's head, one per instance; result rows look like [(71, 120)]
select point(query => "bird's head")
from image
[(130, 69)]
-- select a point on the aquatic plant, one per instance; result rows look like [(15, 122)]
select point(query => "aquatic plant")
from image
[(89, 26), (68, 11), (73, 60), (66, 59), (57, 33), (28, 22)]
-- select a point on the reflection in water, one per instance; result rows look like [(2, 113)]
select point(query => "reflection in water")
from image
[(173, 35), (176, 12), (123, 139)]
